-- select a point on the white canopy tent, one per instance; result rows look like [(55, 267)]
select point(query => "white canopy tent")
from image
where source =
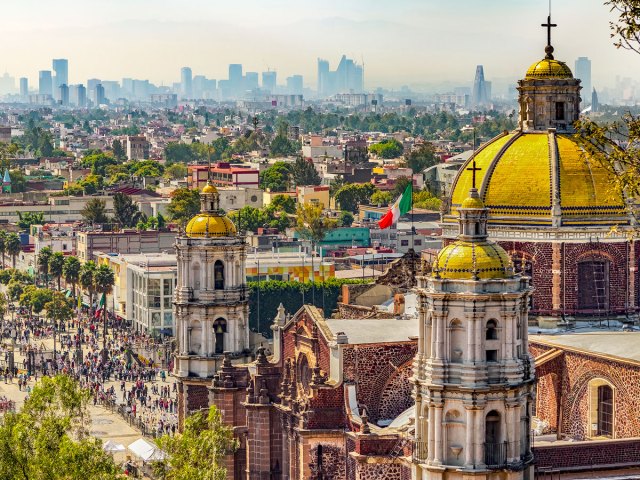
[(113, 447), (147, 451)]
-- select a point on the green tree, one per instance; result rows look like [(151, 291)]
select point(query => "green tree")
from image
[(304, 173), (48, 438), (91, 183), (98, 162), (35, 298), (14, 247), (198, 453), (345, 219), (283, 203), (276, 178), (56, 265), (43, 262), (281, 146), (177, 171), (26, 219), (351, 195), (381, 198), (626, 30), (18, 181), (248, 219), (175, 152), (125, 212), (388, 148), (400, 186), (103, 281), (118, 150), (3, 245), (95, 211), (15, 289), (59, 308), (71, 271), (184, 205), (86, 279), (422, 157)]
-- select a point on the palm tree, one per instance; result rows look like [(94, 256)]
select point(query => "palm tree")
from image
[(86, 279), (71, 272), (3, 245), (56, 264), (103, 281), (43, 262), (13, 246)]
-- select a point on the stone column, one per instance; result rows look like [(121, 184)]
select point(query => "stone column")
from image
[(468, 445), (556, 277), (479, 436), (437, 454), (512, 453), (431, 435)]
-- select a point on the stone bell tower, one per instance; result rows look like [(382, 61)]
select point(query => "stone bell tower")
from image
[(211, 301), (474, 379)]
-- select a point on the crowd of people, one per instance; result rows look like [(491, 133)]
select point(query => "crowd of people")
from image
[(144, 397)]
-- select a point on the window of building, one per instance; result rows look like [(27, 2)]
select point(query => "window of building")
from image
[(492, 355), (166, 286), (167, 302), (404, 243), (218, 275), (154, 287), (155, 319), (605, 411), (219, 329), (168, 318), (417, 242), (491, 332), (593, 286), (560, 111)]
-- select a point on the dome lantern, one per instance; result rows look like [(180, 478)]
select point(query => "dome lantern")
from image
[(211, 221)]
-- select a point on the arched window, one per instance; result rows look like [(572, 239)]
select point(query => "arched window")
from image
[(605, 411), (492, 330), (218, 275), (495, 453), (220, 328), (593, 286)]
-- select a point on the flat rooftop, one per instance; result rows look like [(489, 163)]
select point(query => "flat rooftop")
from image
[(370, 330), (622, 345)]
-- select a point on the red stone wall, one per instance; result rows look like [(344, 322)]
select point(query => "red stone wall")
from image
[(574, 371), (588, 456)]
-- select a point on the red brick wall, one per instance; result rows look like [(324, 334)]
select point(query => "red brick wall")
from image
[(588, 456)]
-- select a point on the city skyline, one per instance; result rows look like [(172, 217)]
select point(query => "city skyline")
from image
[(410, 43)]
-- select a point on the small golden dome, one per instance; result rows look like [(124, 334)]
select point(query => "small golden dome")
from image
[(472, 202), (210, 225), (208, 188), (548, 68), (482, 260)]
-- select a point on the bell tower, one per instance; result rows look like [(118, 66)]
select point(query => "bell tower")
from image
[(549, 95), (211, 301), (473, 376)]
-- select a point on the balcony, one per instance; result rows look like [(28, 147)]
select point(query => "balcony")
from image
[(495, 455), (420, 452)]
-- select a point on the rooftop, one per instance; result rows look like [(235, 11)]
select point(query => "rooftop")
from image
[(621, 345), (384, 330)]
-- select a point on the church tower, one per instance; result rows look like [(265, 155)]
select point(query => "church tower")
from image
[(210, 301), (473, 376)]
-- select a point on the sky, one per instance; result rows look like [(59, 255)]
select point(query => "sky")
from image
[(401, 42)]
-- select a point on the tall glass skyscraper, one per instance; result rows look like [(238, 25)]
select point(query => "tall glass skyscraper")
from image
[(583, 72), (45, 84), (61, 72)]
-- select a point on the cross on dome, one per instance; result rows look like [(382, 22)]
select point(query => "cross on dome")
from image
[(473, 169)]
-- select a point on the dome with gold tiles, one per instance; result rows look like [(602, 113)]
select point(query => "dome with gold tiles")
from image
[(211, 221), (538, 178), (469, 260), (549, 68)]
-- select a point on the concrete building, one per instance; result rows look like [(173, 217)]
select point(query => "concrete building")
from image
[(314, 195), (186, 79), (45, 83), (126, 241), (24, 88), (137, 147), (222, 174), (61, 70), (583, 72), (56, 209)]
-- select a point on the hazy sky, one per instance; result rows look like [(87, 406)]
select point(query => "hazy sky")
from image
[(415, 42)]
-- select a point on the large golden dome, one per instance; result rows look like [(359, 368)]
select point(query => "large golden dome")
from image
[(549, 68), (528, 178), (210, 225), (465, 260)]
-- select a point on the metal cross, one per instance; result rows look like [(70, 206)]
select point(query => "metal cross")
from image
[(474, 169), (549, 26)]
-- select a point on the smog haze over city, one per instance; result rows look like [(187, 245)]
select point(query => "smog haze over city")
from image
[(420, 43)]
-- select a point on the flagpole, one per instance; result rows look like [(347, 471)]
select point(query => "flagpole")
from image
[(413, 263)]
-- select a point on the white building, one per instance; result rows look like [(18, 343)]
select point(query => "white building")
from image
[(149, 303)]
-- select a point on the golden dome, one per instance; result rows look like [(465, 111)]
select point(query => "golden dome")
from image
[(517, 182), (464, 260), (208, 188), (472, 202), (548, 68), (210, 225)]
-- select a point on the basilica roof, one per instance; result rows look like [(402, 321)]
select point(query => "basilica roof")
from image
[(548, 68), (207, 224), (523, 176), (473, 260)]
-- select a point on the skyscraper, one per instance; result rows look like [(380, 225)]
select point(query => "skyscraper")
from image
[(269, 81), (24, 87), (294, 85), (583, 72), (99, 95), (61, 71), (347, 78), (45, 84), (235, 78), (78, 95), (186, 82), (323, 77), (479, 97), (251, 80), (63, 94), (595, 104)]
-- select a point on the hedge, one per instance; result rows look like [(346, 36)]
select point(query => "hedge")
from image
[(274, 292)]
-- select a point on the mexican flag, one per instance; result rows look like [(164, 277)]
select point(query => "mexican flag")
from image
[(401, 206), (101, 306)]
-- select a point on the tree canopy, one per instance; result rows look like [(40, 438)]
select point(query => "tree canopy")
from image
[(351, 195), (125, 212), (95, 211), (387, 148), (184, 205)]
